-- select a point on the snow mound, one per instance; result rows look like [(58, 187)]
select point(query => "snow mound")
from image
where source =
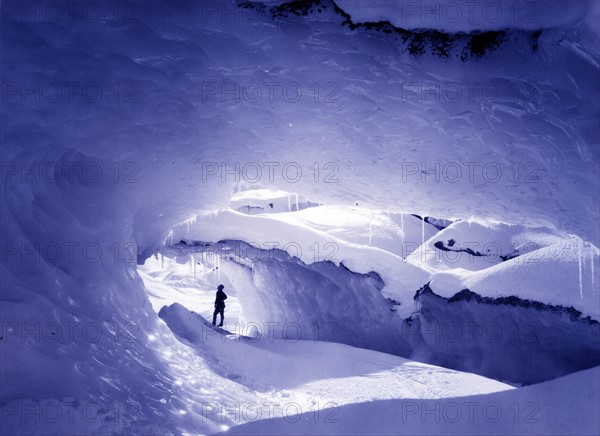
[(539, 409), (338, 374), (501, 261)]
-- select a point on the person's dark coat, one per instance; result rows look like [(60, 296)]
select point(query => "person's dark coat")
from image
[(220, 300)]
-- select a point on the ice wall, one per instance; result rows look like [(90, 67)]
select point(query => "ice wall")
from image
[(82, 348), (508, 339), (283, 297)]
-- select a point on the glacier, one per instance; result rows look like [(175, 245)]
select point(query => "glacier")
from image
[(415, 183)]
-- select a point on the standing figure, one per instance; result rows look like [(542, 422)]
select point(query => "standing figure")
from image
[(219, 305)]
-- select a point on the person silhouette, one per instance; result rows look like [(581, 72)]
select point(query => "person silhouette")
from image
[(219, 305)]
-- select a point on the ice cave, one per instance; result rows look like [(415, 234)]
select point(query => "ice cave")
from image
[(399, 199)]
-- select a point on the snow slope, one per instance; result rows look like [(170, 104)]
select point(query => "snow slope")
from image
[(276, 371), (566, 406)]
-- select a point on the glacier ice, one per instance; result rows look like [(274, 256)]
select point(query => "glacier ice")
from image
[(114, 129)]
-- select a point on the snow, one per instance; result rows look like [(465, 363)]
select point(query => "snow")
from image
[(547, 266), (310, 245), (305, 296), (171, 280), (542, 265), (267, 201), (114, 129), (345, 375), (378, 228), (539, 409), (306, 301)]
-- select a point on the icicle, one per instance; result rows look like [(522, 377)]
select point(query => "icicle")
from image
[(422, 230), (191, 221), (162, 261), (297, 208), (191, 264), (580, 270), (289, 202), (402, 222), (214, 270)]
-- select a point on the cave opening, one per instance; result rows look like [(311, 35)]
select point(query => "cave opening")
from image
[(299, 271), (274, 295)]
